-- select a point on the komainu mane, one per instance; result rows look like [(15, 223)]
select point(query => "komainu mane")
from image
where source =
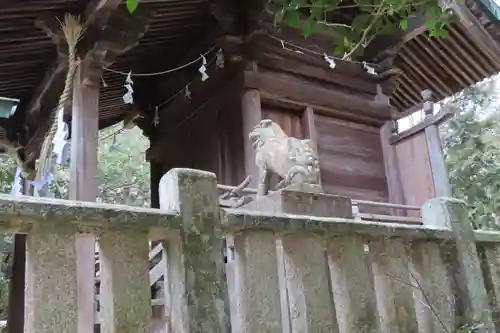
[(294, 160)]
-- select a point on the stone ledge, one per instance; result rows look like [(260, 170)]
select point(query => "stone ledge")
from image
[(234, 220), (18, 213), (307, 200)]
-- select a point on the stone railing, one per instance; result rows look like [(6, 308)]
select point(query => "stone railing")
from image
[(300, 263)]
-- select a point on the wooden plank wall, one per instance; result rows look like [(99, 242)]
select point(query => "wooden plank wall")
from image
[(290, 122), (348, 139), (415, 170), (351, 159), (210, 140), (350, 154)]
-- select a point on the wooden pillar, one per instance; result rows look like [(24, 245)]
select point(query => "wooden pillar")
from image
[(391, 165), (16, 307), (83, 187), (435, 151), (156, 172), (252, 115), (15, 317), (84, 140), (309, 130)]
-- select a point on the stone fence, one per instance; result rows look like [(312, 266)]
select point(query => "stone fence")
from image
[(289, 271)]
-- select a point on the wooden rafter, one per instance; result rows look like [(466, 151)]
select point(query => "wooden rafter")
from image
[(392, 43), (483, 39)]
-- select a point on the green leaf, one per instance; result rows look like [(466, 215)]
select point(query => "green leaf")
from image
[(403, 25), (360, 22), (295, 4), (388, 29), (132, 5), (317, 13), (292, 18), (347, 42), (308, 28)]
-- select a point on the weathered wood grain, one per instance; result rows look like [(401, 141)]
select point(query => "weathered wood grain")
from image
[(252, 115), (391, 165), (436, 159), (351, 160), (413, 155), (291, 87)]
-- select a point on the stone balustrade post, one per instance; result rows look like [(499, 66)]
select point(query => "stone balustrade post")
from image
[(452, 213), (51, 284), (197, 293)]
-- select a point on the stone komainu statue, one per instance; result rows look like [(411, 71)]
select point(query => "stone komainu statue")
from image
[(294, 160)]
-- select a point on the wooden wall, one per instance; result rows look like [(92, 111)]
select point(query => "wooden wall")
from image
[(345, 122), (351, 159), (347, 135), (289, 120), (210, 140), (350, 154)]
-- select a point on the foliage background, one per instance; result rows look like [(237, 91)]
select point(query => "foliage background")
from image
[(471, 141), (124, 179)]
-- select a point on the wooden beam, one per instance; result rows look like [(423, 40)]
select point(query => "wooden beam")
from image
[(308, 126), (114, 34), (51, 26), (156, 172), (444, 114), (290, 87), (251, 114), (131, 117), (102, 53), (322, 72), (15, 322), (270, 99), (47, 91), (270, 45), (439, 171), (409, 111), (98, 12), (391, 166)]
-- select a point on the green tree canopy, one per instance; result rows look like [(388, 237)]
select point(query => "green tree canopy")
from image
[(471, 141)]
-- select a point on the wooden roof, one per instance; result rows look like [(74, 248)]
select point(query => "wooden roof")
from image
[(171, 32), (25, 51), (446, 66), (32, 71)]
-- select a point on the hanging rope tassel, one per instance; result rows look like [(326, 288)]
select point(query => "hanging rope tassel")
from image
[(73, 32)]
